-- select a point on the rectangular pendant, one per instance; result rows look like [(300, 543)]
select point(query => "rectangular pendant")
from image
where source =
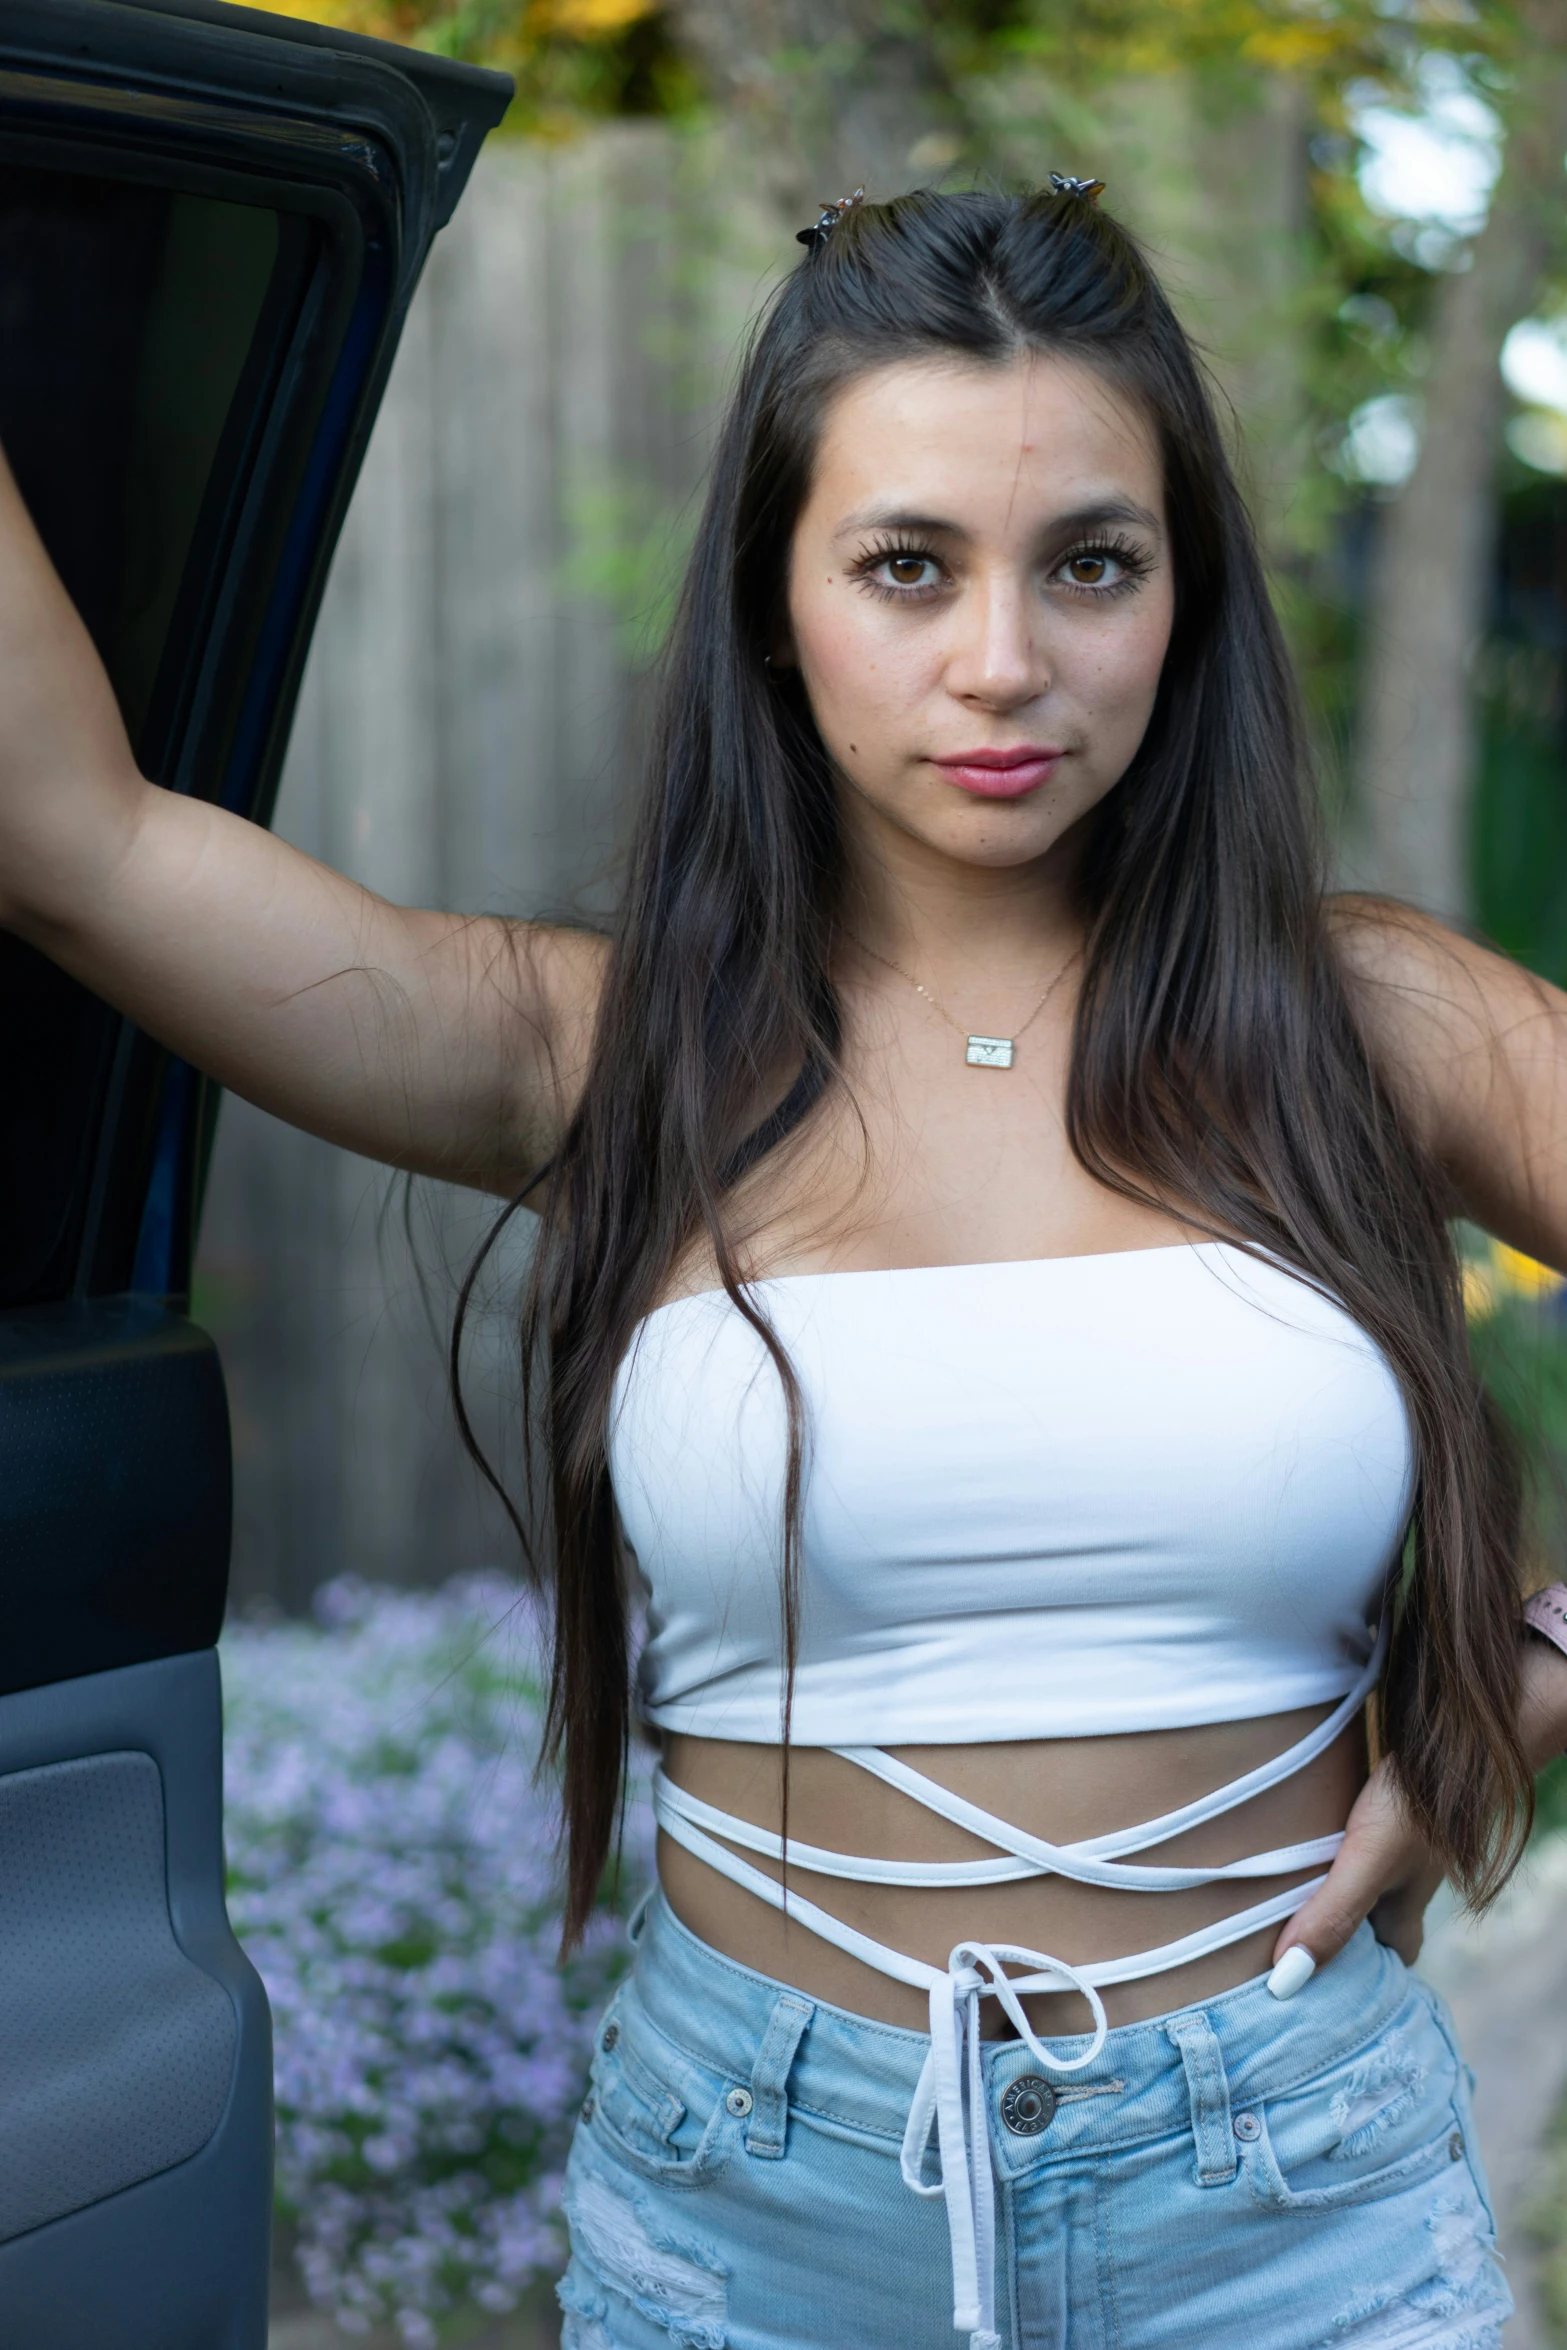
[(989, 1052)]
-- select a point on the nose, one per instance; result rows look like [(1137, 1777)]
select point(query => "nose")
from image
[(999, 659)]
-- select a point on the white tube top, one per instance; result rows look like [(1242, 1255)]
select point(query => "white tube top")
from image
[(1050, 1499), (1058, 1498)]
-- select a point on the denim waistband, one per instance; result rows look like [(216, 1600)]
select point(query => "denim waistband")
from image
[(1191, 2069)]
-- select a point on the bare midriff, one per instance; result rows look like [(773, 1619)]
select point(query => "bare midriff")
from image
[(1063, 1789)]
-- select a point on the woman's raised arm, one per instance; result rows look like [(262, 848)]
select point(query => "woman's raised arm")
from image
[(435, 1042)]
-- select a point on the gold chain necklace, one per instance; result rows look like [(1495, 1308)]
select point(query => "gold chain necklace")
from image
[(980, 1052)]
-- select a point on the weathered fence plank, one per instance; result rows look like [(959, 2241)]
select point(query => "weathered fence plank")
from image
[(467, 729)]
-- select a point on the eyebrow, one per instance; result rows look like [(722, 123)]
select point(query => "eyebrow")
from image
[(1095, 517)]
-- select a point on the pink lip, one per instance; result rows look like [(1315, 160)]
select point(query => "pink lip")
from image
[(1001, 775)]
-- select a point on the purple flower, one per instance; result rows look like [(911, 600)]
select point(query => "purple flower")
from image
[(391, 1873)]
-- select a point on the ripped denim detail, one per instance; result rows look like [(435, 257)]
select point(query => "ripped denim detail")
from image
[(1377, 2094), (620, 2248), (1461, 2305), (583, 2333)]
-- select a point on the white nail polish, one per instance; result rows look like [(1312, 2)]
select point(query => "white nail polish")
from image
[(1293, 1972)]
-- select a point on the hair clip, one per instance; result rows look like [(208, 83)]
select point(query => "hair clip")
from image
[(822, 227), (1089, 190)]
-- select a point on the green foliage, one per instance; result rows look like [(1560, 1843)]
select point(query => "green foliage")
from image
[(1086, 39), (1520, 1348), (392, 1875), (1520, 809), (626, 551), (1550, 1791), (1518, 1335), (1520, 835), (1523, 1352), (574, 61)]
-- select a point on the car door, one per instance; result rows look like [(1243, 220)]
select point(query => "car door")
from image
[(211, 223)]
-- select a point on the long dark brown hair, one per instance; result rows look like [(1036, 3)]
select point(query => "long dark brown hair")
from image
[(1216, 1065)]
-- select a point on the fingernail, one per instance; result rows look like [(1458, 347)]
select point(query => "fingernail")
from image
[(1293, 1972)]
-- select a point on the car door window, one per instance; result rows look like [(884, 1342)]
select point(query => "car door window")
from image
[(139, 325)]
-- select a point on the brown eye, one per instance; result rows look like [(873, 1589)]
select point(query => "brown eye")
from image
[(900, 572), (1088, 570)]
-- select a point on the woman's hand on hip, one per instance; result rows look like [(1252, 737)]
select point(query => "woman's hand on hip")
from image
[(1384, 1870)]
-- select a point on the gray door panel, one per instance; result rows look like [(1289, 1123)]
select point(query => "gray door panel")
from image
[(135, 2044), (119, 2052)]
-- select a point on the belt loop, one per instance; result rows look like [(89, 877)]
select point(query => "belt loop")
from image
[(770, 2074), (1209, 2091)]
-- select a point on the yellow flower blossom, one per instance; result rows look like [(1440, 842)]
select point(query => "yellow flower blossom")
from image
[(1499, 1273), (524, 20), (1481, 1297), (1522, 1275), (592, 20), (381, 20)]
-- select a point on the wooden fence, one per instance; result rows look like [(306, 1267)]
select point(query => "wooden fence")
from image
[(466, 736)]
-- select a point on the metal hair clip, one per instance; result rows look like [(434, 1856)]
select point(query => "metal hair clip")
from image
[(822, 227), (1089, 190)]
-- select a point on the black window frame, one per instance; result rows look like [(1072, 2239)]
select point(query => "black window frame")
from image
[(371, 145)]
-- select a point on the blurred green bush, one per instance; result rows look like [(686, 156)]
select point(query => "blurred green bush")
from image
[(1518, 1330)]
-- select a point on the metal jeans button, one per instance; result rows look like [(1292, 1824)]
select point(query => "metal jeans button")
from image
[(1029, 2105), (611, 2035), (739, 2102), (1455, 2147), (1247, 2127)]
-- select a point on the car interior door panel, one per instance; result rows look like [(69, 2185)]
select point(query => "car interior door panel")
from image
[(135, 2127), (115, 1489), (211, 224)]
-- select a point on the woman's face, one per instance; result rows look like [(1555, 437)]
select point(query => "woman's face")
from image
[(980, 598)]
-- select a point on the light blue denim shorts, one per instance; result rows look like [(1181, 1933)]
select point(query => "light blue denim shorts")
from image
[(1250, 2174)]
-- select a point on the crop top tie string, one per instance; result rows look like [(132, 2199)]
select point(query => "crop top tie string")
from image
[(950, 2092)]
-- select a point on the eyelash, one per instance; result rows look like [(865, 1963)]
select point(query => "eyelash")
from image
[(1134, 561)]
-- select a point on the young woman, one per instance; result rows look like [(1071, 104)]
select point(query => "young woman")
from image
[(994, 1292)]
